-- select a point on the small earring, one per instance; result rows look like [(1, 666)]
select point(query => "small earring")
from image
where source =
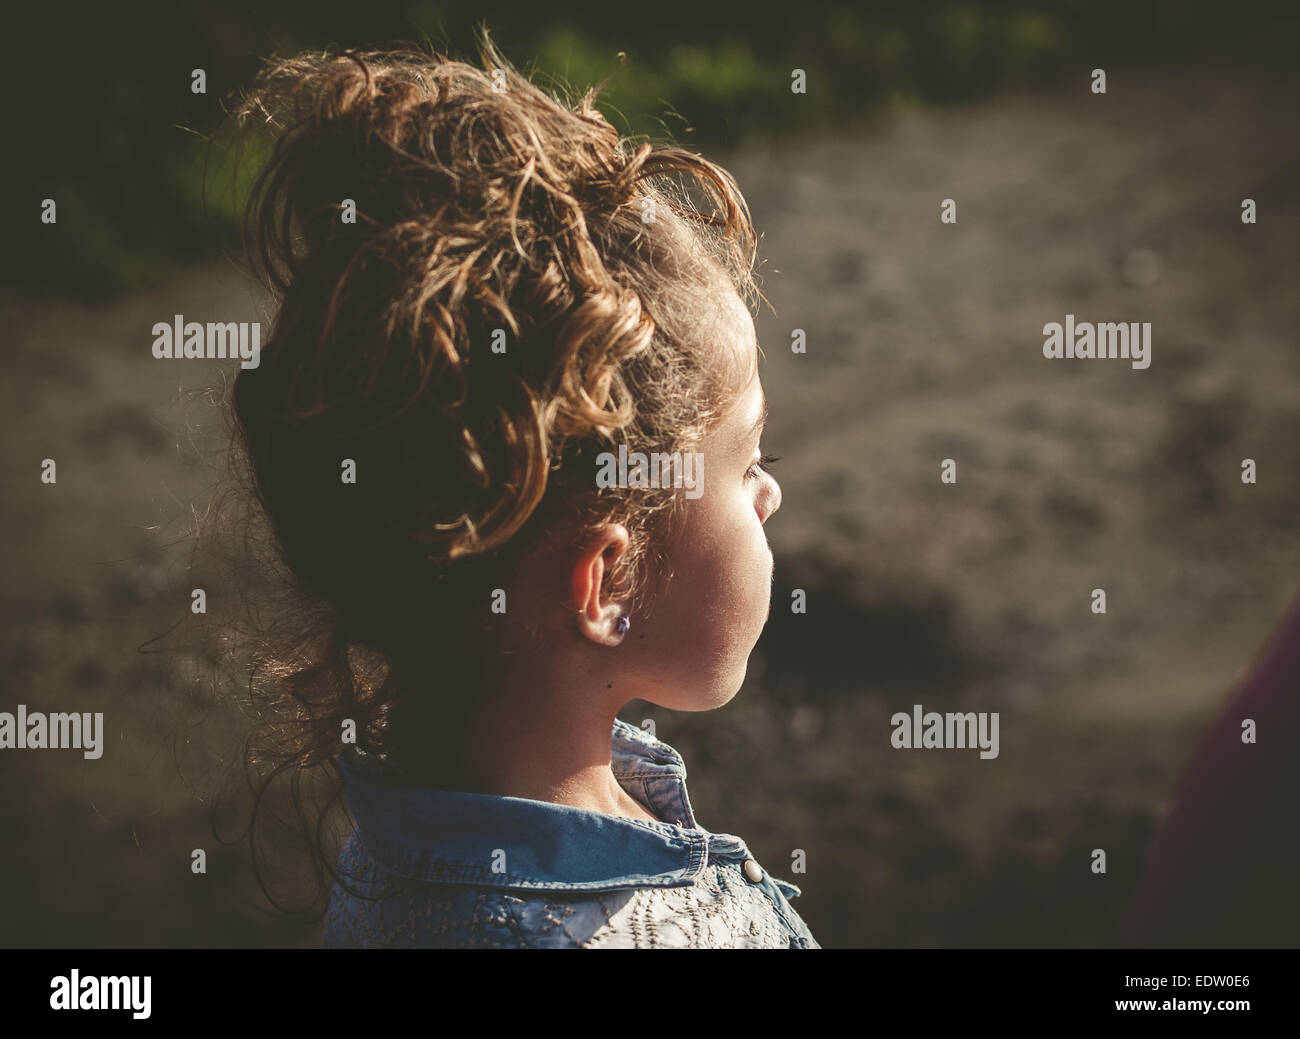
[(623, 623)]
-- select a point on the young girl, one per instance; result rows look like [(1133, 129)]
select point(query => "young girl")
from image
[(506, 426)]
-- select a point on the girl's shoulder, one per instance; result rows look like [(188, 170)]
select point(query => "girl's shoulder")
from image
[(444, 869), (720, 909)]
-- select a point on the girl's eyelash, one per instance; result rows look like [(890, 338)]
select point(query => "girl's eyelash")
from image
[(765, 463)]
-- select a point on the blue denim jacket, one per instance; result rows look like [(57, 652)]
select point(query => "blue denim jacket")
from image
[(442, 869)]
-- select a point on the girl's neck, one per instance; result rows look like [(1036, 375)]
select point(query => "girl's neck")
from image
[(545, 748), (530, 721)]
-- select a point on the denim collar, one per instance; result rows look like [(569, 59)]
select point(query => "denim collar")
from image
[(516, 843)]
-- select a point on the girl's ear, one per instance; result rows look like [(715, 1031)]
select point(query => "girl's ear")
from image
[(598, 619)]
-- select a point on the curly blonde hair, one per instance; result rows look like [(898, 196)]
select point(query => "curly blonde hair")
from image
[(485, 208)]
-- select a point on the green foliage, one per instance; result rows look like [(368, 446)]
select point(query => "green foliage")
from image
[(131, 186)]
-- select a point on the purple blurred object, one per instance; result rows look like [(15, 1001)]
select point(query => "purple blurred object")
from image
[(1224, 865)]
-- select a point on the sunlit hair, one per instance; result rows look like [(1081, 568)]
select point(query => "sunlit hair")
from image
[(482, 203)]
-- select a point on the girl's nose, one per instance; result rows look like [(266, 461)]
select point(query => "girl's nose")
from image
[(771, 501)]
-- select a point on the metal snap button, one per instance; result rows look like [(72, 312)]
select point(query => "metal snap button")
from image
[(753, 871)]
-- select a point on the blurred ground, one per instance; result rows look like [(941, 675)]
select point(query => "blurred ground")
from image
[(924, 343)]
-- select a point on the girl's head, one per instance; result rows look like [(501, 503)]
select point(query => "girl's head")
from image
[(482, 290)]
